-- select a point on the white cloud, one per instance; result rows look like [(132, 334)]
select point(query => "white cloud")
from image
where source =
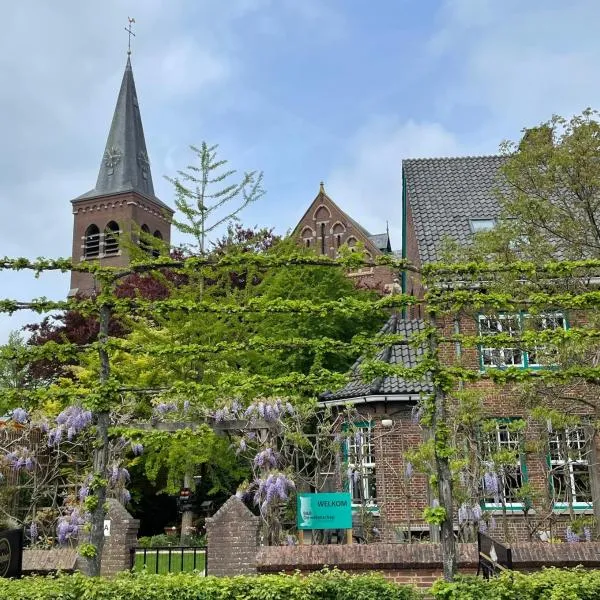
[(520, 62), (368, 186)]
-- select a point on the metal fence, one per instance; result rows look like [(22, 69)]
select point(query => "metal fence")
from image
[(494, 556), (170, 559)]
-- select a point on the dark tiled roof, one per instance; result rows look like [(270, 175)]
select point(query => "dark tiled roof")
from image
[(396, 354), (445, 193), (381, 241)]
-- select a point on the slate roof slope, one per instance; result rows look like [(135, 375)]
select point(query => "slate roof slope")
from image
[(395, 354), (381, 241), (125, 166), (445, 193)]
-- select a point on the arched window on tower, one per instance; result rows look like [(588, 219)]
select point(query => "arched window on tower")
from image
[(111, 238), (156, 251), (91, 242), (145, 234), (322, 238)]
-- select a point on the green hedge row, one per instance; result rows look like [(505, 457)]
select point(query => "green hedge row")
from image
[(326, 585), (548, 584)]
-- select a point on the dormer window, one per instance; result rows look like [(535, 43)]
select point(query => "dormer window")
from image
[(478, 225)]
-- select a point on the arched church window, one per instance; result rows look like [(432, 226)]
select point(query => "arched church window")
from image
[(307, 242), (91, 242), (322, 238), (145, 234), (156, 251), (111, 238)]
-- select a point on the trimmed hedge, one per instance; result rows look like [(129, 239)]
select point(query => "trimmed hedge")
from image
[(326, 585), (548, 584)]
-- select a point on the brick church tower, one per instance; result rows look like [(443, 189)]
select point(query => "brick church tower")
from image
[(123, 201)]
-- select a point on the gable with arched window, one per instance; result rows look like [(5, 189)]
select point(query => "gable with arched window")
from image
[(307, 235), (91, 242), (338, 231), (111, 238)]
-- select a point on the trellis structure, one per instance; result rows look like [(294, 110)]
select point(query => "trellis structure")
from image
[(451, 289)]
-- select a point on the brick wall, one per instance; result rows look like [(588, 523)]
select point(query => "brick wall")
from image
[(325, 227), (116, 553), (126, 209), (418, 564), (232, 538)]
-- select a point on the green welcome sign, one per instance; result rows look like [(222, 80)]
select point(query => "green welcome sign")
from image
[(324, 511)]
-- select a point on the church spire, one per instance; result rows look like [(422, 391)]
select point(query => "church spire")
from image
[(125, 166)]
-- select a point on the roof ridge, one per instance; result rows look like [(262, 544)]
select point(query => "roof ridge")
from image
[(466, 156)]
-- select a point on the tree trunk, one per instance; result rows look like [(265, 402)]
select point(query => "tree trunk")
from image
[(100, 453), (594, 471), (187, 516), (442, 465)]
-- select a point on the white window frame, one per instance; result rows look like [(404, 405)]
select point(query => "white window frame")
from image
[(577, 446), (502, 325), (479, 225), (495, 441), (360, 448)]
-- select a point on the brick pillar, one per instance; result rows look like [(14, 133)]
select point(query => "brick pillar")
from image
[(232, 537), (116, 554)]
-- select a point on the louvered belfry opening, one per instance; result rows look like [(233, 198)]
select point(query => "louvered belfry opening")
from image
[(111, 238), (91, 242)]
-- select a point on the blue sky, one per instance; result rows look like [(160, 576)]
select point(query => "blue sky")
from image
[(305, 90)]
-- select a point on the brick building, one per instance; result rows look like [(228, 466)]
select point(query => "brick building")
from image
[(325, 227), (122, 204), (554, 478)]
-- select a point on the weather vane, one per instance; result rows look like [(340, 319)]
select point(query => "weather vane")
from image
[(128, 30)]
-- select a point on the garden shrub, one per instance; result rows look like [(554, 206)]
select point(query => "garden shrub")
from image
[(548, 584), (325, 585)]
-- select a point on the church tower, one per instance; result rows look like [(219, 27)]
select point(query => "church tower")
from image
[(123, 200)]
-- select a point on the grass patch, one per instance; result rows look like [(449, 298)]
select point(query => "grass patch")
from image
[(180, 561)]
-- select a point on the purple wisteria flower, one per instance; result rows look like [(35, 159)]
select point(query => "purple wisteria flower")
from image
[(271, 489), (477, 512), (19, 415), (72, 420), (119, 476), (137, 449), (482, 526), (408, 470), (291, 541), (33, 531), (571, 536), (84, 490), (163, 408), (68, 526), (266, 459), (416, 413), (21, 458), (587, 533), (491, 483)]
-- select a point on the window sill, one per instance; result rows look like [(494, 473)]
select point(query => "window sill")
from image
[(372, 508), (561, 508), (497, 509)]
